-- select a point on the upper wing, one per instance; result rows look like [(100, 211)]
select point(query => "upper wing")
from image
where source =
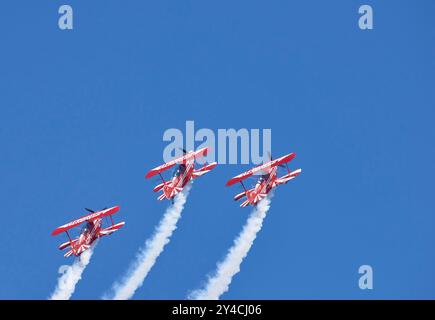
[(240, 177), (262, 167), (188, 156), (89, 217), (287, 158)]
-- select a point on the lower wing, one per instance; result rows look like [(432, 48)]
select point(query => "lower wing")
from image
[(289, 176), (203, 170), (111, 229)]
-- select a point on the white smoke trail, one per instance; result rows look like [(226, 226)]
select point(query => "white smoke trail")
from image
[(148, 255), (219, 283), (71, 275)]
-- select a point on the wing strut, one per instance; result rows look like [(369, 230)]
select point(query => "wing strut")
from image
[(241, 182), (162, 177), (70, 242), (66, 231)]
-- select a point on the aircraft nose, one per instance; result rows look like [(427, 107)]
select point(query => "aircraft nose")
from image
[(167, 191), (249, 195)]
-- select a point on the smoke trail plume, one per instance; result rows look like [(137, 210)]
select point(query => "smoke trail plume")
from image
[(219, 283), (147, 256), (71, 275)]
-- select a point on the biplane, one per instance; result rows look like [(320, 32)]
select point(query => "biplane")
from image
[(91, 231), (184, 171), (268, 179)]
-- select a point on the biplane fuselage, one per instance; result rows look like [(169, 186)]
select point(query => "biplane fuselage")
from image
[(92, 231), (181, 176), (268, 180), (262, 188), (184, 172), (89, 234)]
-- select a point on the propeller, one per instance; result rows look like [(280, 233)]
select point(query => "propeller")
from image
[(92, 211)]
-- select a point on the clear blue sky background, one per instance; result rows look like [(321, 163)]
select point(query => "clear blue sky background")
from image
[(83, 113)]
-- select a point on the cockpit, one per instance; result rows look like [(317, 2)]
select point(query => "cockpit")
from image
[(179, 170), (86, 228), (264, 177)]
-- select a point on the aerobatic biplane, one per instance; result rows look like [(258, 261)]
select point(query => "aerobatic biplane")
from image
[(267, 181), (91, 231), (183, 173)]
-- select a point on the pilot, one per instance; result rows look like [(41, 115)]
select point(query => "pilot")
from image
[(87, 228), (264, 177), (180, 170)]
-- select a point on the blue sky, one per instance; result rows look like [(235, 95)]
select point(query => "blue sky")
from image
[(83, 114)]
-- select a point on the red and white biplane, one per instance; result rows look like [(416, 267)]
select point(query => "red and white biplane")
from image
[(92, 230), (183, 173), (267, 181)]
